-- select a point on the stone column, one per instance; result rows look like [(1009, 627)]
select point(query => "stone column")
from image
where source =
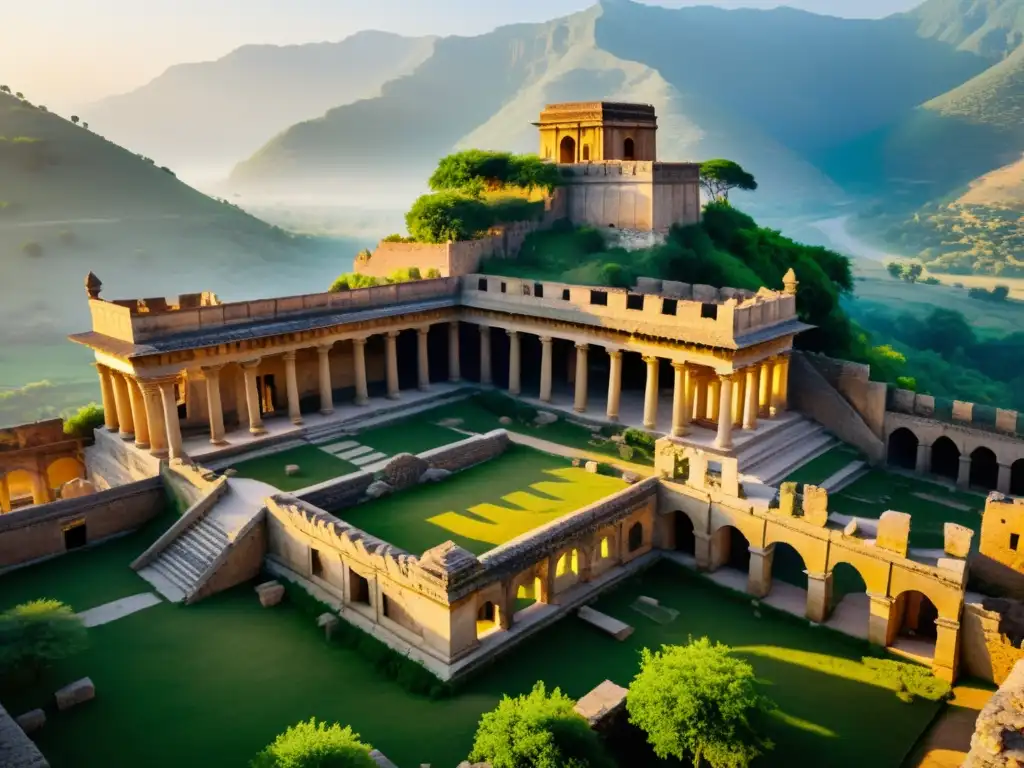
[(326, 388), (5, 495), (759, 577), (454, 368), (819, 596), (485, 354), (514, 364), (947, 649), (391, 363), (359, 364), (614, 383), (580, 406), (546, 342), (423, 358), (715, 399), (724, 439), (291, 381), (924, 458), (700, 398), (878, 621), (170, 409), (1003, 483), (750, 407), (252, 397), (778, 402), (702, 550), (963, 477), (216, 407), (155, 418), (784, 384), (107, 393), (138, 407), (40, 485), (651, 394), (765, 393), (680, 399), (123, 404), (738, 398)]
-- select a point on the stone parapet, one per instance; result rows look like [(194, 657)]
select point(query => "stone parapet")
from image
[(955, 412), (16, 749)]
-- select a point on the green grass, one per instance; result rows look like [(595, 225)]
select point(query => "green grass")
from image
[(818, 470), (413, 435), (315, 466), (879, 491), (484, 506), (211, 684)]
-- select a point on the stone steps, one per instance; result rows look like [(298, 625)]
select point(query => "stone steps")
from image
[(790, 456), (797, 429), (380, 414), (180, 567), (845, 476)]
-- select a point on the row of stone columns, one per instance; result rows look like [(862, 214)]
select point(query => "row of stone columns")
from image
[(142, 410)]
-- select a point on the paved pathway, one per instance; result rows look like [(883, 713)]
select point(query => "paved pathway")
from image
[(118, 609)]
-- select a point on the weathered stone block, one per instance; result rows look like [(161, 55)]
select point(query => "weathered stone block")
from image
[(328, 622), (230, 472), (378, 488), (591, 467), (291, 470), (505, 421), (963, 411), (815, 506), (924, 405), (787, 499), (1006, 421), (434, 475), (31, 721), (705, 293), (894, 532), (76, 693), (403, 471), (675, 290), (648, 285), (850, 529), (602, 704), (544, 417), (630, 477), (957, 539), (76, 488), (270, 593), (903, 400)]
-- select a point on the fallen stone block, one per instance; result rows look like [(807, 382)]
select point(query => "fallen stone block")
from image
[(434, 475), (648, 600), (230, 472), (75, 693), (74, 489), (850, 529), (403, 471), (291, 469), (602, 703), (957, 539), (328, 622), (31, 721), (544, 417), (591, 467), (617, 629), (505, 420), (378, 488), (270, 593), (382, 762), (630, 477)]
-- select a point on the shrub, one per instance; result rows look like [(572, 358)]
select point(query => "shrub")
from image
[(626, 452), (84, 422), (537, 730), (909, 680), (32, 248), (473, 169), (316, 745), (445, 216), (433, 273), (35, 634), (404, 275), (931, 281), (639, 439), (396, 238), (352, 280)]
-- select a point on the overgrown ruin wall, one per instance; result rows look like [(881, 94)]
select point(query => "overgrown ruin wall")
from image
[(998, 740)]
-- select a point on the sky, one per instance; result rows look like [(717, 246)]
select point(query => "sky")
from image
[(67, 53)]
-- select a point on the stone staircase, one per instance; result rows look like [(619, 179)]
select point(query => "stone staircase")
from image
[(781, 451), (845, 476), (339, 431), (177, 571)]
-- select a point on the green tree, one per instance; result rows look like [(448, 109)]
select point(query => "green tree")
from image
[(5, 89), (912, 272), (945, 331), (20, 95), (74, 119), (84, 422), (316, 745), (537, 730), (349, 281), (698, 701), (895, 269), (445, 216), (36, 634), (719, 177), (1000, 293), (474, 170)]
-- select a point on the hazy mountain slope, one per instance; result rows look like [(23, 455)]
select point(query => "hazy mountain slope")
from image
[(990, 28), (215, 113)]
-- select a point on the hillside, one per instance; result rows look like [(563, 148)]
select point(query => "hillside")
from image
[(989, 28), (785, 87), (215, 113)]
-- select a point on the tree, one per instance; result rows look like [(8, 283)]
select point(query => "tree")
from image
[(895, 269), (537, 730), (74, 119), (912, 272), (86, 126), (445, 216), (474, 170), (719, 177), (350, 281), (316, 745), (698, 701), (1000, 293), (944, 331), (36, 634), (20, 95), (5, 89), (83, 423)]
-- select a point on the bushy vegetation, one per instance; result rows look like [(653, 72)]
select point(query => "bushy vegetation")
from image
[(910, 681), (316, 745), (397, 238), (84, 422), (910, 273), (349, 281), (699, 702), (36, 634), (539, 730), (998, 293), (456, 215), (475, 170), (719, 177)]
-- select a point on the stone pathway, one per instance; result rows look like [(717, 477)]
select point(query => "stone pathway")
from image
[(354, 452), (948, 741), (944, 502), (118, 609)]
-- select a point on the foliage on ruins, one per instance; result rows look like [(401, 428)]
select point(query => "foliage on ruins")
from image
[(316, 745), (474, 170), (84, 421), (457, 215), (36, 634), (910, 681), (349, 281), (699, 702), (719, 177), (539, 730)]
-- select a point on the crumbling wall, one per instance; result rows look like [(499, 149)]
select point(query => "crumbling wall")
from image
[(467, 453), (990, 637), (16, 749), (998, 740)]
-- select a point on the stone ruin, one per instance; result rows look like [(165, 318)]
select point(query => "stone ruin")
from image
[(813, 504), (998, 740), (404, 471)]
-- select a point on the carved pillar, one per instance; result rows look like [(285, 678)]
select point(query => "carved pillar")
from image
[(784, 384), (580, 405), (765, 394), (155, 418), (963, 477), (651, 394), (138, 407), (423, 358), (924, 458), (170, 409), (947, 649), (701, 549), (545, 368), (359, 364), (5, 495), (724, 439), (124, 408), (216, 407), (391, 363), (454, 368), (40, 485), (614, 383), (714, 399), (879, 619), (107, 393), (326, 388), (778, 403), (1003, 483), (291, 381), (485, 354), (680, 399), (738, 397), (759, 577), (700, 398), (514, 364), (819, 596), (252, 397), (750, 407)]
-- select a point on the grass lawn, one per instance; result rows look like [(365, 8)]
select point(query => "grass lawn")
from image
[(483, 506), (315, 466), (822, 468), (414, 435), (880, 490), (211, 684)]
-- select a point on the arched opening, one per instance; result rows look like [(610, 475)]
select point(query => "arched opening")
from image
[(914, 616), (586, 153), (902, 449), (1017, 478), (850, 606), (635, 537), (788, 566), (19, 485), (984, 469), (488, 619), (63, 470), (568, 563), (731, 549), (686, 541), (567, 150), (945, 458), (527, 593), (628, 150)]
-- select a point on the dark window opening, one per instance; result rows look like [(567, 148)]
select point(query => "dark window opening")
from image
[(486, 612), (481, 284), (1014, 540), (358, 589), (527, 290), (503, 287), (668, 306), (315, 565), (611, 226), (565, 294), (586, 152), (538, 290), (636, 537), (628, 149), (634, 301), (385, 605), (709, 311), (75, 535), (599, 298)]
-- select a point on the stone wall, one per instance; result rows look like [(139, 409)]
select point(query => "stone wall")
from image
[(111, 461), (467, 453), (998, 740), (338, 494), (957, 412), (990, 637), (853, 382), (241, 562), (16, 749), (38, 532)]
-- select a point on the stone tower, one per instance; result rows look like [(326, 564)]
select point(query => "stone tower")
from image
[(595, 131)]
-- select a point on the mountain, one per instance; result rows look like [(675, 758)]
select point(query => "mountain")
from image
[(989, 28), (212, 114)]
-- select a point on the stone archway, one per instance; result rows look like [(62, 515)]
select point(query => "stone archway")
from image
[(849, 606), (567, 150), (20, 486), (635, 537), (1017, 478), (488, 619), (914, 615), (902, 449), (63, 470), (984, 469), (733, 548), (686, 540), (629, 149), (945, 458)]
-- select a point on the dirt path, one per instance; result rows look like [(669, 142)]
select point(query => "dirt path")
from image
[(949, 739)]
